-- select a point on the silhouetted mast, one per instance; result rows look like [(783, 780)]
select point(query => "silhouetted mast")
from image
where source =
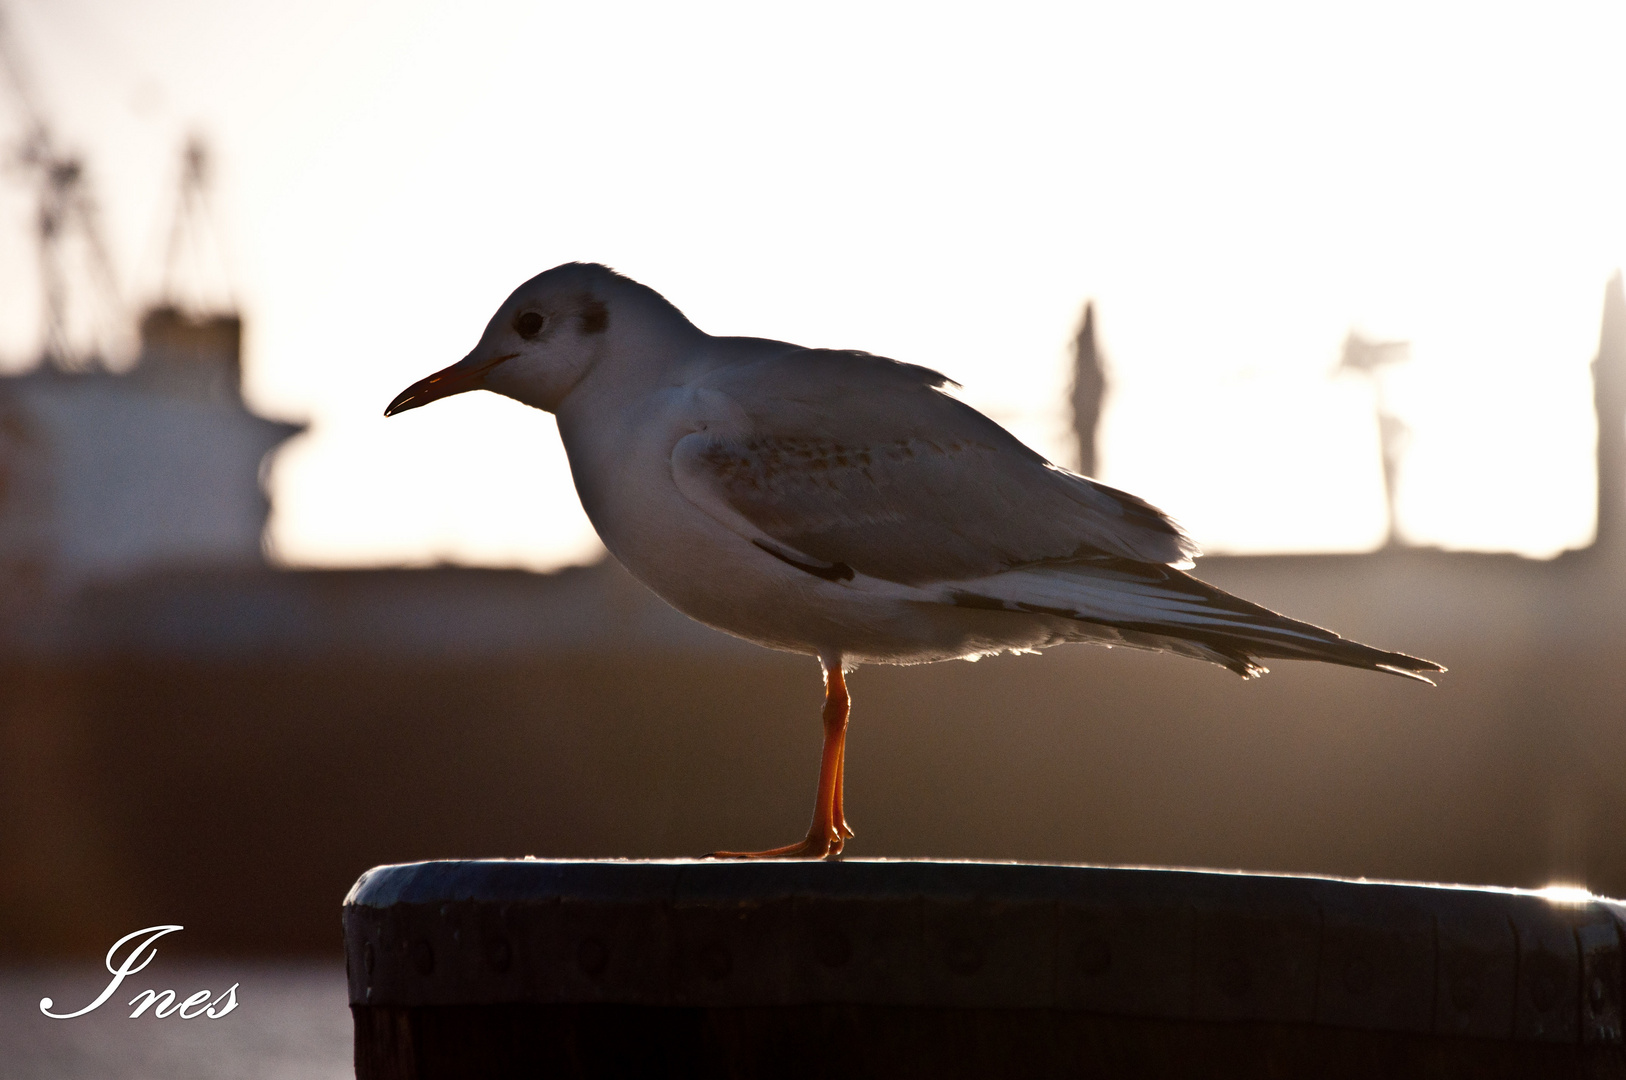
[(192, 337), (193, 231), (1089, 391)]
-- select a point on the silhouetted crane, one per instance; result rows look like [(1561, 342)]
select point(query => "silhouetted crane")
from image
[(65, 209), (193, 231)]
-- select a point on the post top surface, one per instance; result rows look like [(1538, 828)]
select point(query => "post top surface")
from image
[(674, 880)]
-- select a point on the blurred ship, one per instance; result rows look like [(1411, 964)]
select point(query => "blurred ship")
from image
[(111, 474), (108, 471)]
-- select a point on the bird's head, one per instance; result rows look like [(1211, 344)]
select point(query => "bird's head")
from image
[(545, 338)]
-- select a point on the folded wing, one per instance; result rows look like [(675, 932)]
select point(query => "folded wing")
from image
[(846, 460)]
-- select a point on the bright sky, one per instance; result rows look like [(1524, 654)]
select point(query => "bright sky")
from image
[(1238, 186)]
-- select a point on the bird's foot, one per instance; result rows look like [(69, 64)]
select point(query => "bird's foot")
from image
[(820, 844)]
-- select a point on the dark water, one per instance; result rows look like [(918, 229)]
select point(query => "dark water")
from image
[(292, 1022)]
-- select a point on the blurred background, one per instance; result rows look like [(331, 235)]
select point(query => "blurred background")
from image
[(1336, 287)]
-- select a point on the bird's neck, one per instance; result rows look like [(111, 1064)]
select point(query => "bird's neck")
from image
[(636, 365)]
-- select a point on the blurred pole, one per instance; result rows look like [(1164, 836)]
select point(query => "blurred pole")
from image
[(1609, 397), (1372, 359), (1089, 391)]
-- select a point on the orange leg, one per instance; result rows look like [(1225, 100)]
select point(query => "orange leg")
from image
[(841, 788), (829, 829)]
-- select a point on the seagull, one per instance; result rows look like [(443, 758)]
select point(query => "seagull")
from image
[(846, 506)]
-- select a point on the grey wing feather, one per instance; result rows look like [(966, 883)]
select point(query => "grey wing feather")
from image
[(1160, 607), (848, 459)]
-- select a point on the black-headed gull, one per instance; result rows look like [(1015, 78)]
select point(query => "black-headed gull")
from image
[(843, 505)]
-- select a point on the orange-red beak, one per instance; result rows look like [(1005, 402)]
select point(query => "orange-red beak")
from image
[(467, 374)]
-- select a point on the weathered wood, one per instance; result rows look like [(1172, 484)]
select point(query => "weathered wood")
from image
[(537, 968)]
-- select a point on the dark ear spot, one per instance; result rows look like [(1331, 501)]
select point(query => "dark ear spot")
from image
[(595, 316)]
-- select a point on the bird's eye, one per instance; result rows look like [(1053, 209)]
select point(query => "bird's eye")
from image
[(528, 324)]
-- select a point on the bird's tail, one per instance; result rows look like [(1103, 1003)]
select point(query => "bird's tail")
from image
[(1150, 606)]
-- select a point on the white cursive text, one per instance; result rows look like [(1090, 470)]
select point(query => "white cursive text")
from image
[(199, 1004)]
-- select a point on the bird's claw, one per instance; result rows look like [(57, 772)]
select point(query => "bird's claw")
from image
[(820, 844)]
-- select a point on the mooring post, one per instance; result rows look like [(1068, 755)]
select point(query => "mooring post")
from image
[(531, 968)]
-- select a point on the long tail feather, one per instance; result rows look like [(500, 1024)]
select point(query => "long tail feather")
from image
[(1159, 607)]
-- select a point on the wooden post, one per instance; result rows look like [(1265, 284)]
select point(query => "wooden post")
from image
[(535, 968)]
